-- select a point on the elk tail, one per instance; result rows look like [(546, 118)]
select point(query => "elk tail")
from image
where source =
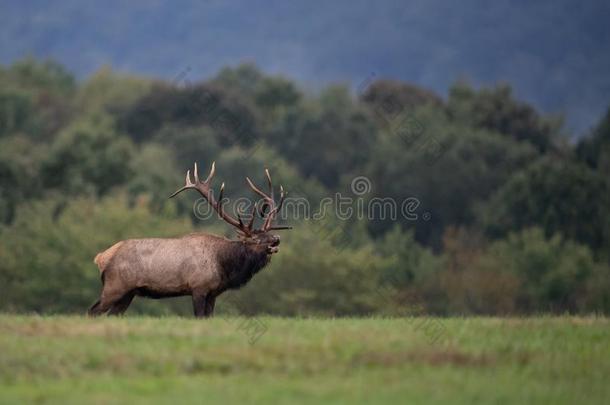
[(97, 259), (102, 258)]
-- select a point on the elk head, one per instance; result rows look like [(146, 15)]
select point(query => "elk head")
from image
[(260, 238)]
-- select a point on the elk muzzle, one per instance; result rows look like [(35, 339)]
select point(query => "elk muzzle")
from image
[(274, 245)]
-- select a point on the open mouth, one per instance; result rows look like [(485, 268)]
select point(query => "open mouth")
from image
[(274, 247)]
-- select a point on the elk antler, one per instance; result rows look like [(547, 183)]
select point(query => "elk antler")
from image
[(203, 187), (270, 205)]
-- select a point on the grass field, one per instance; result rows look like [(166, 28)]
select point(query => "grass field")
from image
[(178, 360)]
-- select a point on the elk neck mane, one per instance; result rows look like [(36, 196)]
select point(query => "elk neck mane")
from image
[(240, 262)]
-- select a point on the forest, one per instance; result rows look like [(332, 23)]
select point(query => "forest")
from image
[(506, 212)]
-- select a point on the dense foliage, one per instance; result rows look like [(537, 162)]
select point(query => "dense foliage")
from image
[(507, 215)]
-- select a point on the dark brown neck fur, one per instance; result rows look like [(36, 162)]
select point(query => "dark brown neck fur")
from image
[(240, 262)]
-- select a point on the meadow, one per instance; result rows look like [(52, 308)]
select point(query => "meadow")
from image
[(73, 359)]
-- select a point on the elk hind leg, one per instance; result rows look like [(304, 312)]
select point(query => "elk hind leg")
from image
[(94, 310), (120, 306), (107, 300)]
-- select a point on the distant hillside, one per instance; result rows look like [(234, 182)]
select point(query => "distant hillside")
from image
[(554, 54)]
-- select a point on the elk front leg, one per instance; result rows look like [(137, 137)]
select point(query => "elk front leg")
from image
[(209, 305), (199, 304)]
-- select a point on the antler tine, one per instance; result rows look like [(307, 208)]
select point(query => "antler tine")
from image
[(188, 176), (269, 202), (269, 182), (220, 198), (187, 185), (252, 217), (257, 190), (282, 196), (261, 210), (222, 191), (274, 210), (212, 172)]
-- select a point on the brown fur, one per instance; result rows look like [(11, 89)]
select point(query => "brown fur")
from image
[(200, 265)]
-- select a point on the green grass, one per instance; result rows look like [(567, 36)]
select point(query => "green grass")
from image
[(178, 360)]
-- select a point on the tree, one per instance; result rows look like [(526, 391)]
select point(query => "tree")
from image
[(411, 262), (36, 98), (273, 92), (20, 160), (553, 271), (232, 117), (46, 75), (495, 109), (16, 112), (190, 144), (88, 157), (449, 168), (110, 92), (594, 150), (390, 98), (238, 163), (560, 196), (243, 79), (496, 213), (326, 138), (154, 174), (317, 273)]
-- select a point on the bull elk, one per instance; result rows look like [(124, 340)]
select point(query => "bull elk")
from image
[(198, 264)]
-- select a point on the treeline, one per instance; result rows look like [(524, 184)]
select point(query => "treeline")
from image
[(510, 216)]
